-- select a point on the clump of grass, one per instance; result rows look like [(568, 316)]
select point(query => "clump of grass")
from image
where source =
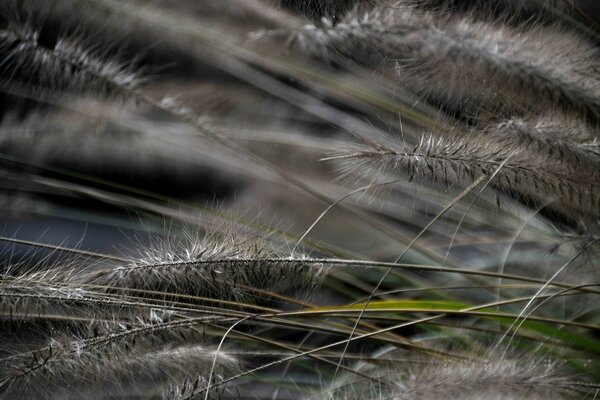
[(463, 233)]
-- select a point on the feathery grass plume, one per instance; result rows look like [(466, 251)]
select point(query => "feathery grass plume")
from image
[(490, 378), (71, 64), (520, 10), (460, 158), (70, 308), (225, 266), (21, 300), (38, 293), (119, 145), (554, 138), (76, 369), (321, 8), (464, 65)]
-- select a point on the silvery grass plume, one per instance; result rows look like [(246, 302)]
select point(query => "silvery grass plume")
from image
[(518, 11), (316, 9), (488, 379), (465, 66), (535, 159), (24, 299), (91, 369), (492, 377), (50, 300), (513, 11), (70, 64), (227, 266)]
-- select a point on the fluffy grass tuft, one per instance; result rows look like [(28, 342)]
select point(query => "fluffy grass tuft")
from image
[(218, 266)]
